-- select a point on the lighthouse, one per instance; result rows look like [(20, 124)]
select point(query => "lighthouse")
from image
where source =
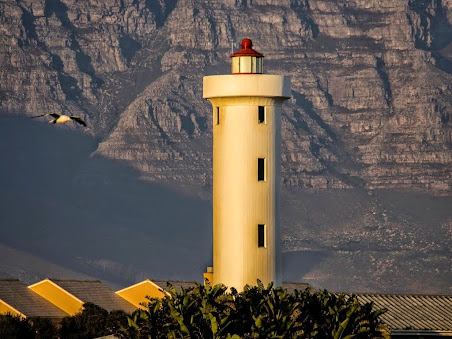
[(246, 107)]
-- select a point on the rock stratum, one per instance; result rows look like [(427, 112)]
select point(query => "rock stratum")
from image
[(370, 114)]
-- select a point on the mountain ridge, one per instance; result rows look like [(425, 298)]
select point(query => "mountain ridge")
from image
[(370, 112)]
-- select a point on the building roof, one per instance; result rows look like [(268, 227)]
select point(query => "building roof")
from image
[(139, 293), (17, 295), (413, 312), (96, 292), (419, 314), (177, 284), (292, 286)]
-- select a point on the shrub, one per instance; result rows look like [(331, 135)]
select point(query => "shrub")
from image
[(15, 327), (93, 321), (257, 312)]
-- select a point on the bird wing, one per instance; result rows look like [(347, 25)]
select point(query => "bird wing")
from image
[(79, 120), (55, 115)]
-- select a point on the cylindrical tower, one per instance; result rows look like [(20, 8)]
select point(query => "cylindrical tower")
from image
[(246, 170)]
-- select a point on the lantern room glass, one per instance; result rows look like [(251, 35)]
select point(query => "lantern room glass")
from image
[(246, 65)]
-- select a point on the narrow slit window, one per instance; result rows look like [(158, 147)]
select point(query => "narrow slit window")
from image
[(217, 115), (261, 169), (260, 235), (261, 115)]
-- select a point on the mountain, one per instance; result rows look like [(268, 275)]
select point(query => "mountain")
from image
[(367, 135)]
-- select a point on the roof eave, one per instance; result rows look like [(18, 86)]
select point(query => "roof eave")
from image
[(420, 333)]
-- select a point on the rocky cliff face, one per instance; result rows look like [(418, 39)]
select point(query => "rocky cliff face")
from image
[(371, 105), (371, 82)]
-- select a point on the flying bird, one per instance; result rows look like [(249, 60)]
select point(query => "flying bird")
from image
[(61, 118)]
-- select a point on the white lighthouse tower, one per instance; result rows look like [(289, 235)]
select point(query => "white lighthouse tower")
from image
[(246, 170)]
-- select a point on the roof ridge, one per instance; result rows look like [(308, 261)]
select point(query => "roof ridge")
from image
[(77, 280), (168, 280), (399, 294)]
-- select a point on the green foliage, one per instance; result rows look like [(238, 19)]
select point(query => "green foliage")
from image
[(44, 328), (15, 327), (35, 328), (326, 315), (93, 321), (214, 312), (257, 312)]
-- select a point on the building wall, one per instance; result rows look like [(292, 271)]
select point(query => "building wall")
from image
[(137, 294), (240, 201), (6, 309), (57, 296)]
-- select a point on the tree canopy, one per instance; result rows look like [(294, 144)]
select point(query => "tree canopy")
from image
[(216, 312), (256, 312)]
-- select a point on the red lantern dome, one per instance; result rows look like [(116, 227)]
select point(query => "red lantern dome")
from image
[(247, 60), (247, 50)]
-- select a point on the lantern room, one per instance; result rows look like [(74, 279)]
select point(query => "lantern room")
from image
[(247, 60)]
